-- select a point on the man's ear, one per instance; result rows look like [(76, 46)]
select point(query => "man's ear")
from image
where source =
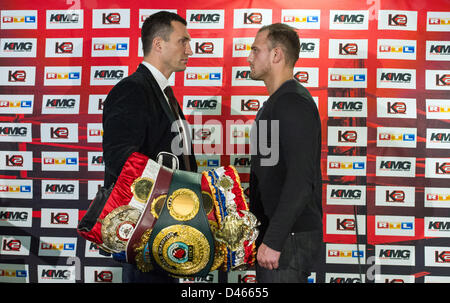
[(157, 44), (278, 55)]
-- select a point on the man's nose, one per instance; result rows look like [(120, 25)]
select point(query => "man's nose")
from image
[(188, 50), (250, 58)]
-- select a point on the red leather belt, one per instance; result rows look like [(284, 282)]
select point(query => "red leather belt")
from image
[(147, 220)]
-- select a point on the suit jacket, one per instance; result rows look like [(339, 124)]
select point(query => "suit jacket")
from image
[(287, 196), (137, 118)]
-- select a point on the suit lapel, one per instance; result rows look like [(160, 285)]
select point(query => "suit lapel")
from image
[(157, 92)]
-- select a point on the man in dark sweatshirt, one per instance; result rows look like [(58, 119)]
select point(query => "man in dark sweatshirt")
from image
[(286, 179)]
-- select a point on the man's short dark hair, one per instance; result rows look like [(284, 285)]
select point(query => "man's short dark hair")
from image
[(286, 37), (158, 25)]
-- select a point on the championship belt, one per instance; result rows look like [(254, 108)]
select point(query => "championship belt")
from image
[(185, 223)]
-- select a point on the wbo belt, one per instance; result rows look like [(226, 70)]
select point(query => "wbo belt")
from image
[(185, 223)]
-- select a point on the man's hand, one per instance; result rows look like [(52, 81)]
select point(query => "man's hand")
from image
[(267, 257)]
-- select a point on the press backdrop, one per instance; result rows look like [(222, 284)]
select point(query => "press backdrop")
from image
[(379, 73)]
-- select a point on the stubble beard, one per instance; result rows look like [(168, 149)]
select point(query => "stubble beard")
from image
[(261, 75)]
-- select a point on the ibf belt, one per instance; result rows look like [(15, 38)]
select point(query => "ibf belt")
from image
[(181, 241)]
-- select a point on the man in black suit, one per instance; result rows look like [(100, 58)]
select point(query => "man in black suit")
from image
[(286, 187), (141, 114)]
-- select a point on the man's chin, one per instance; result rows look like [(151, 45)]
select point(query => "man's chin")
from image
[(255, 77), (181, 69)]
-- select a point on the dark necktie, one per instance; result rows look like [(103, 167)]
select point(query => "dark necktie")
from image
[(174, 106), (172, 101)]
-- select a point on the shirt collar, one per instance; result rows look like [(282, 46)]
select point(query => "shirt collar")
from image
[(162, 81)]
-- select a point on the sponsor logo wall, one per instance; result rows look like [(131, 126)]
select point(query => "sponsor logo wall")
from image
[(379, 74)]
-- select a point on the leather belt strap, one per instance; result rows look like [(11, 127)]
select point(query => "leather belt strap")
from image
[(147, 220)]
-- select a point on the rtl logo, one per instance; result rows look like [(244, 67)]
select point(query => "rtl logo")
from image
[(397, 49), (355, 77), (95, 132), (437, 197), (242, 47), (206, 76), (346, 165), (60, 161), (439, 21), (395, 225), (70, 76), (438, 109), (19, 19), (15, 189)]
